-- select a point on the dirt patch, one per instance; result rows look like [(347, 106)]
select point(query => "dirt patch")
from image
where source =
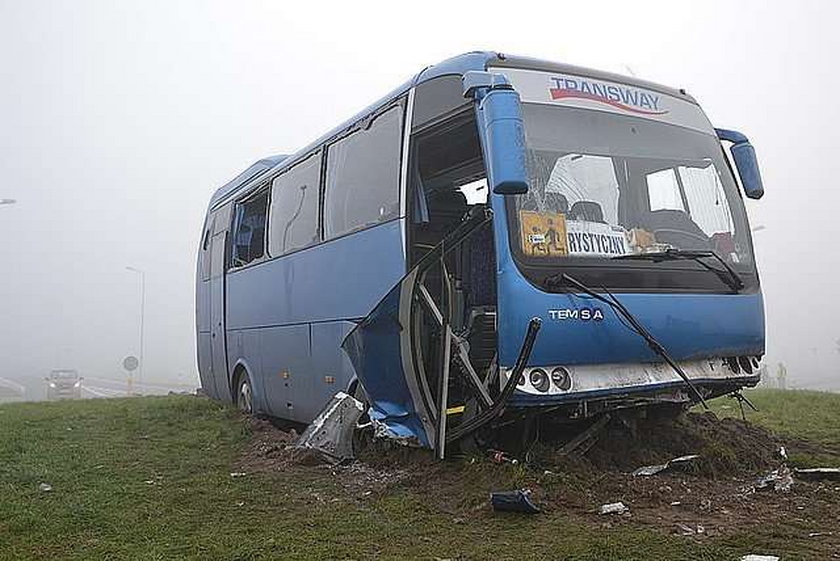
[(726, 446), (269, 449), (712, 496)]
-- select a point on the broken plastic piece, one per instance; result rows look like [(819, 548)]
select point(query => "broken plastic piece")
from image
[(331, 433), (779, 480), (753, 557), (46, 487), (514, 501), (813, 474), (613, 508), (676, 462)]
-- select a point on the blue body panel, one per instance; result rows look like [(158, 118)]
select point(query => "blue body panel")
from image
[(690, 326), (286, 317)]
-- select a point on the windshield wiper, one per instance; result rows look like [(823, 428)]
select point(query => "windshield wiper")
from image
[(727, 274)]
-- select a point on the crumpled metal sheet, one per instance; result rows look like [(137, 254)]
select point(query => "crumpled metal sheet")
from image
[(379, 349), (331, 433)]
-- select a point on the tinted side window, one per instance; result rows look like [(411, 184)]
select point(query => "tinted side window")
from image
[(363, 176), (294, 207), (249, 238), (436, 98)]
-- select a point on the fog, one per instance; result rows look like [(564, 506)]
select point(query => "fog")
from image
[(119, 120)]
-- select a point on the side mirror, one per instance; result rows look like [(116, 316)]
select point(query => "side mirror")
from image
[(743, 154), (501, 130)]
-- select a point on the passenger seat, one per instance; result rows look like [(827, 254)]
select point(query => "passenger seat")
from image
[(587, 211)]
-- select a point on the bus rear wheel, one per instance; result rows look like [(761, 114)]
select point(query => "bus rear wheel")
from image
[(244, 394)]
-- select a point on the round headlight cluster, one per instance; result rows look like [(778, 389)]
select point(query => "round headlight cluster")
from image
[(561, 378), (539, 379)]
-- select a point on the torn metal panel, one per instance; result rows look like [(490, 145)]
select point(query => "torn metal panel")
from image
[(380, 350), (386, 350), (331, 433)]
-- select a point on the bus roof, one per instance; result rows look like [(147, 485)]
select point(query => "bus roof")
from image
[(457, 65)]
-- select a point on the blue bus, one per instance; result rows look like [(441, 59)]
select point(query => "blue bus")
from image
[(499, 235)]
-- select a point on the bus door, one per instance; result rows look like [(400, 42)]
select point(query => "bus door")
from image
[(218, 339)]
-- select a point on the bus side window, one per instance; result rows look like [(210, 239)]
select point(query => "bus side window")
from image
[(363, 176), (249, 238), (294, 208)]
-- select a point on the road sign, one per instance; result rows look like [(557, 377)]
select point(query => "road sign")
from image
[(131, 363)]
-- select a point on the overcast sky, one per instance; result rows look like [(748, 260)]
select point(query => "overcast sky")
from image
[(119, 119)]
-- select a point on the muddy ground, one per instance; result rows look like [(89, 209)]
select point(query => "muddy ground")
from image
[(712, 496)]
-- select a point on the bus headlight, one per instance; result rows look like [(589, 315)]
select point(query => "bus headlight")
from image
[(561, 378), (539, 379)]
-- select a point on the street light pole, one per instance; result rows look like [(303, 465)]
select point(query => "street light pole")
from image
[(142, 320)]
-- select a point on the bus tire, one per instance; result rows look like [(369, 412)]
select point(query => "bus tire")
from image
[(244, 395)]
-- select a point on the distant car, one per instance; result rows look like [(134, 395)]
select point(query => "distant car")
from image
[(64, 384)]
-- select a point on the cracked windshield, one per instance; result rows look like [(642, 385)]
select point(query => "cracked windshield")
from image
[(607, 185)]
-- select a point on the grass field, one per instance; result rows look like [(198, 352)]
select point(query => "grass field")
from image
[(150, 478)]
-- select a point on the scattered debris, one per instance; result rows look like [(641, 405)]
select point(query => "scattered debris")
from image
[(45, 487), (818, 534), (238, 474), (382, 431), (331, 433), (687, 530), (647, 471), (778, 480), (753, 557), (514, 501), (613, 508), (812, 474), (501, 457)]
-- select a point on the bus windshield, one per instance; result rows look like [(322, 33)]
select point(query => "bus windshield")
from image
[(604, 185)]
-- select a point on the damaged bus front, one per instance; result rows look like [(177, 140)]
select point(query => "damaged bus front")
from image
[(575, 242)]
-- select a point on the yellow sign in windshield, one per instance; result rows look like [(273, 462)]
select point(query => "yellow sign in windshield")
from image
[(543, 234)]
